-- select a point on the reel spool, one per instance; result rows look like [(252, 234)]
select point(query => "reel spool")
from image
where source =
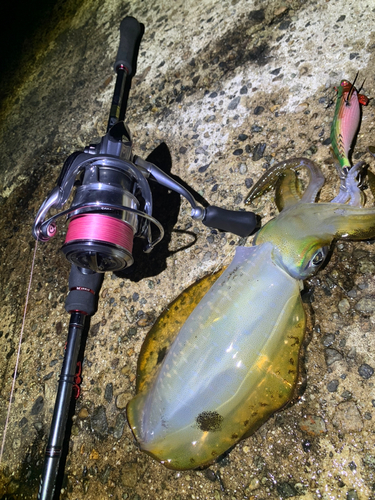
[(99, 242), (97, 239)]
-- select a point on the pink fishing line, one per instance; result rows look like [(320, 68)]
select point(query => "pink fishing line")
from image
[(99, 227), (18, 354)]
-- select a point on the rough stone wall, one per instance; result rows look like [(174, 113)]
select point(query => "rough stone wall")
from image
[(227, 89)]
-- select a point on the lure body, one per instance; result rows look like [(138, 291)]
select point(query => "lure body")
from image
[(228, 353), (346, 121)]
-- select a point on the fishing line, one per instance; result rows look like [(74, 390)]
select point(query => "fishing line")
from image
[(98, 227), (18, 353)]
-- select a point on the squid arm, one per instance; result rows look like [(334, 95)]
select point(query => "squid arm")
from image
[(270, 177)]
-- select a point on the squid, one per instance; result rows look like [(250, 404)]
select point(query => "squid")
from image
[(224, 356)]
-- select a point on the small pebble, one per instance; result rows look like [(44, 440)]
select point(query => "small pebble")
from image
[(259, 151), (119, 426), (203, 168), (254, 484), (328, 339), (94, 455), (83, 413), (99, 422), (38, 405), (302, 107), (38, 426), (122, 400), (145, 320), (258, 110), (352, 495), (365, 371), (332, 385), (306, 445), (75, 430), (343, 306), (23, 422), (332, 356), (347, 417), (210, 475), (234, 103), (365, 305), (249, 182), (108, 393), (313, 425), (286, 490), (346, 394)]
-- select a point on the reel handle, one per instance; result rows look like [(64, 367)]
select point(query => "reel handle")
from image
[(241, 223), (130, 31)]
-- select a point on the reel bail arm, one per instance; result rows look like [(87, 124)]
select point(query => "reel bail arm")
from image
[(236, 222)]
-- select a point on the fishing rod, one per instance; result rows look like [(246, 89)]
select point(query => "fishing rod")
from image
[(112, 205)]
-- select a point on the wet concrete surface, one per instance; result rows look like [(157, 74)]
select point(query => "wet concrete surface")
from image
[(222, 91)]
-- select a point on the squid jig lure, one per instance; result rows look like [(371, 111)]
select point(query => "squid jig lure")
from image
[(346, 121)]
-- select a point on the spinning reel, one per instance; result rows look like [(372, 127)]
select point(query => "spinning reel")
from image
[(113, 204)]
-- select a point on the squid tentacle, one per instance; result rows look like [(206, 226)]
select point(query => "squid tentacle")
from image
[(269, 178), (352, 184), (349, 188), (288, 190)]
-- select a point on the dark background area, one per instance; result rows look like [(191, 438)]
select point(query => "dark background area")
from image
[(19, 22)]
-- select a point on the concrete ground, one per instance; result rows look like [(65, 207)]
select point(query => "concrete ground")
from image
[(222, 91)]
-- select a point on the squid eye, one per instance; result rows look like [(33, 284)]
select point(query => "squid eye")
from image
[(319, 257)]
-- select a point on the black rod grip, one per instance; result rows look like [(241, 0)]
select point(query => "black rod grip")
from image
[(130, 31), (240, 223), (84, 290)]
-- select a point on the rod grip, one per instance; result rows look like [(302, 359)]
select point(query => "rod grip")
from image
[(240, 223), (130, 31), (84, 290)]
